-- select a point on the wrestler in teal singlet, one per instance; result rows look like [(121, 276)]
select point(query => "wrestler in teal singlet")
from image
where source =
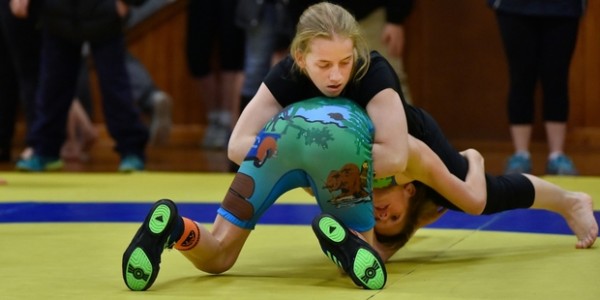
[(321, 143)]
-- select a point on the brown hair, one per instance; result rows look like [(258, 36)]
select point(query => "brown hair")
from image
[(419, 206), (326, 20)]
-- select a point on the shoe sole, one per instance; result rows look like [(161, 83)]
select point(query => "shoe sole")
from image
[(141, 263), (355, 256)]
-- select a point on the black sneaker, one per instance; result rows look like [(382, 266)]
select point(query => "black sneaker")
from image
[(141, 260), (355, 256)]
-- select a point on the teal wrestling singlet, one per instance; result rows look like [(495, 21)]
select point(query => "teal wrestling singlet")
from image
[(321, 143)]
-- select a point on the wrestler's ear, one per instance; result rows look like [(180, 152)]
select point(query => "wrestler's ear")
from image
[(410, 189), (299, 59)]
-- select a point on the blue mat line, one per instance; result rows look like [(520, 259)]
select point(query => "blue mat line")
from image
[(524, 220)]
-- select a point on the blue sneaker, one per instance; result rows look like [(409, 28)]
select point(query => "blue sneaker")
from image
[(518, 164), (37, 163), (131, 163), (141, 260), (355, 256), (561, 165)]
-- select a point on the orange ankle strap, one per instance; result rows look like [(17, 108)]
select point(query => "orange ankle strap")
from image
[(190, 237)]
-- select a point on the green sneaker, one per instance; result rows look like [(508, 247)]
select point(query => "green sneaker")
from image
[(131, 163), (37, 163), (141, 260), (355, 256), (561, 165)]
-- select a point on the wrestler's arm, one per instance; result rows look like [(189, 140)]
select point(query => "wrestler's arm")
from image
[(257, 113), (469, 195), (390, 150)]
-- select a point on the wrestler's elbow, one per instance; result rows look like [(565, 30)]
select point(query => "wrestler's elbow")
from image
[(476, 205), (401, 164), (398, 156), (235, 153), (388, 162), (387, 168), (397, 164)]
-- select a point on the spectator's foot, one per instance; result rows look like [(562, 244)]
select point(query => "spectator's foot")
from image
[(131, 163), (141, 260), (160, 127), (71, 151), (218, 131), (348, 251), (561, 165), (88, 139), (37, 163), (216, 138), (78, 149), (518, 164), (210, 135)]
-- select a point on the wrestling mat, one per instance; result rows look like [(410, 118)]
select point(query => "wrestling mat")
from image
[(62, 236)]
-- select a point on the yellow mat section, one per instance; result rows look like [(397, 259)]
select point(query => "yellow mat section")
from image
[(142, 186), (83, 260), (182, 187)]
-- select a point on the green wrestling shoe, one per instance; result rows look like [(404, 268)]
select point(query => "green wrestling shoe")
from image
[(141, 260), (355, 256)]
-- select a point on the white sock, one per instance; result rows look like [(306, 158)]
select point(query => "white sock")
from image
[(523, 153), (554, 155)]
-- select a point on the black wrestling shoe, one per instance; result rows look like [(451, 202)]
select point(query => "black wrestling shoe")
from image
[(355, 256), (141, 260)]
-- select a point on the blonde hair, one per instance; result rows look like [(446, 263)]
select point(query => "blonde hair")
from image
[(327, 20)]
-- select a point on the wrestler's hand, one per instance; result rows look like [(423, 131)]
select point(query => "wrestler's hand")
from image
[(473, 156), (475, 179)]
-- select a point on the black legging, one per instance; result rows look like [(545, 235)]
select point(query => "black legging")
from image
[(538, 48)]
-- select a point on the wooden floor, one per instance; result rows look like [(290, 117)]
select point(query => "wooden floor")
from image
[(183, 154)]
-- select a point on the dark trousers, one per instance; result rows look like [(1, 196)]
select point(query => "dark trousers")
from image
[(538, 49), (19, 69), (142, 85), (60, 65), (9, 96)]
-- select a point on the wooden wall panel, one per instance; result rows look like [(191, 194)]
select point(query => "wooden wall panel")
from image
[(454, 59), (457, 71), (456, 67), (585, 71), (159, 43)]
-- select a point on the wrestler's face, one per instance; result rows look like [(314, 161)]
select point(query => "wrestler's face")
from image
[(391, 206), (328, 63)]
